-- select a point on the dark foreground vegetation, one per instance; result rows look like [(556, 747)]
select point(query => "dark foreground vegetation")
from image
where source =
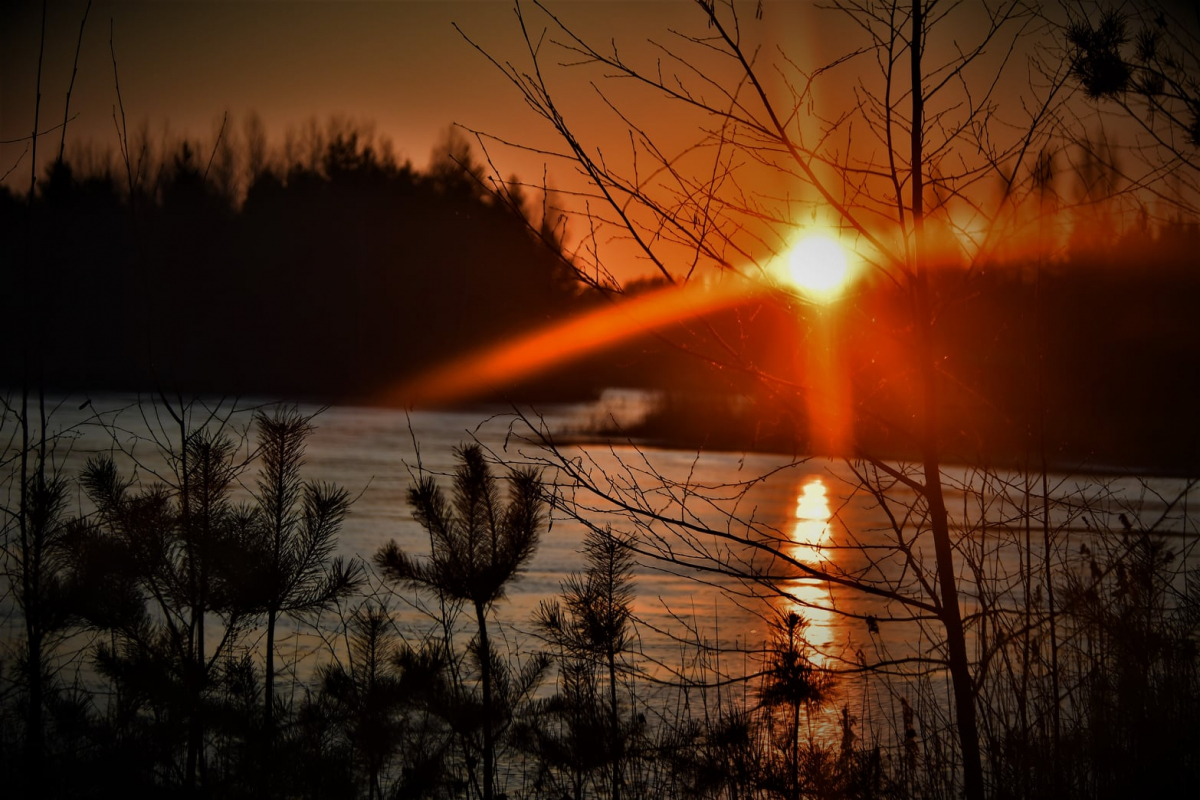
[(141, 656), (326, 270)]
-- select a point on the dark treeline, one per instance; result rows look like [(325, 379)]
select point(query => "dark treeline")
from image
[(329, 277), (322, 269)]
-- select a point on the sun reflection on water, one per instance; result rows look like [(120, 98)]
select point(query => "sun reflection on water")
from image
[(811, 529), (811, 532)]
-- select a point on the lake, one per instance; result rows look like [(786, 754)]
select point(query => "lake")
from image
[(730, 510)]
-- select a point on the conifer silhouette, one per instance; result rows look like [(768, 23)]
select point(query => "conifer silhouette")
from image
[(592, 626), (479, 544), (295, 532)]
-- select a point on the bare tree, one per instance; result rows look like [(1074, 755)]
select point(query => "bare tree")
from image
[(31, 530), (924, 167)]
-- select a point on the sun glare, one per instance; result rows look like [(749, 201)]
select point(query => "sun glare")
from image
[(817, 265)]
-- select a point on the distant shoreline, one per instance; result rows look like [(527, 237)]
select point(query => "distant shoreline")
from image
[(647, 433)]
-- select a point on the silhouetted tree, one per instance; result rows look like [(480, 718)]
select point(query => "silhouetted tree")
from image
[(479, 543), (35, 536), (1145, 51), (793, 682), (568, 733), (592, 627), (1142, 57), (294, 535), (380, 696), (180, 549)]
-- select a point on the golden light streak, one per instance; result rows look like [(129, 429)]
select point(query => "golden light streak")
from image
[(535, 352), (830, 423)]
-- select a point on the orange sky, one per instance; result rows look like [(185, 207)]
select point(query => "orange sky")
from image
[(399, 64), (183, 64)]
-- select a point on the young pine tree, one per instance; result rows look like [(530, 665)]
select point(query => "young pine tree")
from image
[(295, 533), (479, 544), (592, 627)]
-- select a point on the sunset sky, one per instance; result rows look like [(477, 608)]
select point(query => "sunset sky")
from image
[(399, 64), (182, 65), (402, 68)]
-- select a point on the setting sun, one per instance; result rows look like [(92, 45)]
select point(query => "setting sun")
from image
[(817, 265)]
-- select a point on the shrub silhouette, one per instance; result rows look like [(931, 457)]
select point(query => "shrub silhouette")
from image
[(372, 697)]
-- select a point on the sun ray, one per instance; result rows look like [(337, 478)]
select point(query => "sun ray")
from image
[(532, 353)]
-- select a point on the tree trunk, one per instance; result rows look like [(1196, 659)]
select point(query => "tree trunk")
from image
[(956, 643), (34, 740), (30, 566), (795, 751), (197, 633), (195, 689), (618, 749), (485, 675), (30, 595), (280, 489), (269, 680)]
